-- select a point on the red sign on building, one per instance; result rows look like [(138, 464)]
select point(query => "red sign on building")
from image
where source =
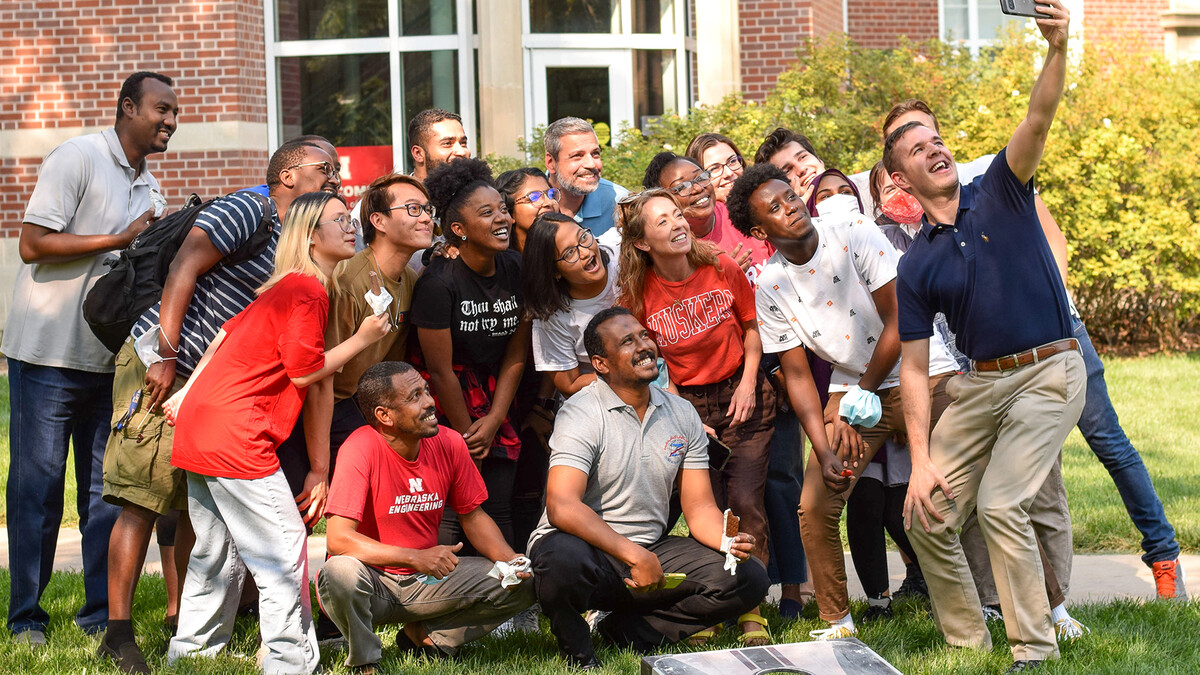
[(360, 165)]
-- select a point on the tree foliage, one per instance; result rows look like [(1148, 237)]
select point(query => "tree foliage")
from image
[(1121, 173)]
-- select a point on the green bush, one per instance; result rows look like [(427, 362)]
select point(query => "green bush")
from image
[(1120, 174)]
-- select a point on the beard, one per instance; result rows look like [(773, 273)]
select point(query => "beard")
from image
[(574, 186)]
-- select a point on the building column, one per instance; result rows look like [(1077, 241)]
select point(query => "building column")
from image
[(719, 52), (501, 77)]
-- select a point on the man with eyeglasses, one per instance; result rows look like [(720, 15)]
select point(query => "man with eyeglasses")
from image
[(398, 223), (199, 296), (573, 165)]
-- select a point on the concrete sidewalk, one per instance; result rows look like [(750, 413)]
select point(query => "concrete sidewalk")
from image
[(1094, 578)]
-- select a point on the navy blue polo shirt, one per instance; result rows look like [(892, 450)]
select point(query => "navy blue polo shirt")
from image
[(991, 272)]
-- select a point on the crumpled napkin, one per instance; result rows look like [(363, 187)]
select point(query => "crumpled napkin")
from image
[(861, 408), (379, 303), (506, 572), (731, 561)]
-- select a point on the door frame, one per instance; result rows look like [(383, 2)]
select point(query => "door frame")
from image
[(620, 82)]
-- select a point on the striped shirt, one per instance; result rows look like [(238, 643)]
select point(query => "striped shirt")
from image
[(223, 291)]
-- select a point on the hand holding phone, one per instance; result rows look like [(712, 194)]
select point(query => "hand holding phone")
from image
[(1022, 8)]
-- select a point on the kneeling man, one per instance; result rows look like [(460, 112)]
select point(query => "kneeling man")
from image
[(392, 482), (619, 446)]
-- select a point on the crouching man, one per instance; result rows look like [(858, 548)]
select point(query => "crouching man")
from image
[(619, 445), (392, 482)]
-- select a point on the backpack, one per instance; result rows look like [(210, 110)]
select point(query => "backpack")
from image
[(135, 281)]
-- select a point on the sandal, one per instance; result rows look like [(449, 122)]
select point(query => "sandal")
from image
[(701, 638), (754, 638)]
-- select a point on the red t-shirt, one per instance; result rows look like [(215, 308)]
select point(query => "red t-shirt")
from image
[(398, 502), (726, 237), (698, 321), (243, 404)]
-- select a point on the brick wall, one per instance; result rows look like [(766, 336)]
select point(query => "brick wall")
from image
[(63, 62), (772, 31), (878, 24), (1139, 19)]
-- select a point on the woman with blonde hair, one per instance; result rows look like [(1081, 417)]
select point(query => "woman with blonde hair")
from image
[(700, 308), (248, 390)]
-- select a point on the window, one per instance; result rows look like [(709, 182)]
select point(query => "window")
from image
[(356, 71), (973, 23)]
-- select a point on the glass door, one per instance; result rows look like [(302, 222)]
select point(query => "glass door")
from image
[(594, 84)]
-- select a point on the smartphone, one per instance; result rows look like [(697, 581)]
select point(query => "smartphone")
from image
[(670, 580), (1022, 8), (718, 453)]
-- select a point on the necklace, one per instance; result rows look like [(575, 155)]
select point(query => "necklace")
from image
[(393, 308), (678, 301)]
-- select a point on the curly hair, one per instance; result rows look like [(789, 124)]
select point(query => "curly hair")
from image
[(633, 262), (738, 200), (657, 165), (775, 141), (451, 185)]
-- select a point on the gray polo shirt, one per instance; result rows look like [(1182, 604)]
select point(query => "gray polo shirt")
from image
[(631, 464), (85, 186)]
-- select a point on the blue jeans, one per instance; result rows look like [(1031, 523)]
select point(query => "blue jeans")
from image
[(1107, 439), (51, 407), (781, 499)]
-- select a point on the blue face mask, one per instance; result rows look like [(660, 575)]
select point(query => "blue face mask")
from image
[(839, 204), (860, 408)]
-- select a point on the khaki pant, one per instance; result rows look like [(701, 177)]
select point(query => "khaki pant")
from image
[(821, 509), (1051, 523), (464, 606), (996, 444), (137, 459)]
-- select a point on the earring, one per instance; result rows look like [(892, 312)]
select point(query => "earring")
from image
[(464, 238)]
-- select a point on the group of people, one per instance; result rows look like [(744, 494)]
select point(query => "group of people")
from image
[(502, 392)]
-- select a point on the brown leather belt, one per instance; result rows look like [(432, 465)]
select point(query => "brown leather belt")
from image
[(1014, 361)]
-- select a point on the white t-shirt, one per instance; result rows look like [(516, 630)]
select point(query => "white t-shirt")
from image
[(85, 186), (558, 341), (826, 304)]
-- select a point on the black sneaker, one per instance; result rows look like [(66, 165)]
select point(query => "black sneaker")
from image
[(407, 646), (328, 634), (913, 585), (1022, 666), (878, 609), (127, 656)]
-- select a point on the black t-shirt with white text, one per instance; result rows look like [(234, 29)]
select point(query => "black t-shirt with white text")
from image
[(482, 313)]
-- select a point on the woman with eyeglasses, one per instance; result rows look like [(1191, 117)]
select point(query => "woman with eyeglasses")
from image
[(720, 157), (471, 331), (248, 390), (528, 194), (700, 307), (707, 217), (569, 279)]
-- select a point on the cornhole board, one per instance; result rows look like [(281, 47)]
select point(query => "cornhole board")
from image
[(831, 657)]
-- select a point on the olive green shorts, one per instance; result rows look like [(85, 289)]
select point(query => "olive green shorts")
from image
[(137, 459)]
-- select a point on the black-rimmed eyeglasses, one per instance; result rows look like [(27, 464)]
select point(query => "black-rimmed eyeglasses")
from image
[(571, 254), (414, 210)]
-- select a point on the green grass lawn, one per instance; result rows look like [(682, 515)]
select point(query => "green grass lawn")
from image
[(1159, 404)]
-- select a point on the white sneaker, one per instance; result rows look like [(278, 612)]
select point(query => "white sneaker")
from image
[(594, 617), (992, 615), (833, 632), (1070, 629)]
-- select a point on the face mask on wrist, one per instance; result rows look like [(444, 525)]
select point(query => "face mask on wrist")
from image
[(902, 208)]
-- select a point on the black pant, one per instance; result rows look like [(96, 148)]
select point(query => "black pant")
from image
[(871, 508), (293, 452), (571, 577), (499, 476)]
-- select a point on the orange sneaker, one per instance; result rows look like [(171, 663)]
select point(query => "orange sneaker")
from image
[(1168, 580)]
